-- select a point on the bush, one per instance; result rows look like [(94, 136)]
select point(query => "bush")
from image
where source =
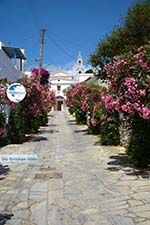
[(32, 125), (94, 119), (82, 99), (44, 119), (109, 132), (80, 116), (2, 120), (139, 145), (129, 89), (3, 138), (94, 129), (16, 128), (31, 113)]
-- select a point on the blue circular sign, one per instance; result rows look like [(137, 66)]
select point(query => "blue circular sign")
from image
[(16, 92)]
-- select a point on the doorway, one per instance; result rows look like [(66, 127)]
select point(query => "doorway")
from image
[(59, 105)]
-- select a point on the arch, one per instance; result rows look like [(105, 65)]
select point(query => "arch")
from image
[(59, 97), (60, 103)]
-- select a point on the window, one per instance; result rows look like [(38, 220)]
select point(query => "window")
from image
[(58, 87)]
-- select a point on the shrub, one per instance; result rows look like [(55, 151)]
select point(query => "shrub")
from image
[(109, 133), (139, 145), (80, 116), (104, 122), (32, 125), (16, 129), (3, 137), (81, 100), (75, 97), (44, 119), (36, 105), (28, 115), (94, 120), (129, 88), (43, 74), (2, 122)]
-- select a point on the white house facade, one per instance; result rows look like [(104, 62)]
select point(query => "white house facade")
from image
[(11, 62), (61, 80)]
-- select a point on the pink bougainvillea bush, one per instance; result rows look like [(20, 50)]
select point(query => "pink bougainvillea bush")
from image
[(108, 121), (129, 77), (84, 100), (130, 84), (81, 99), (39, 99), (43, 75), (95, 108), (28, 115), (77, 101), (37, 103)]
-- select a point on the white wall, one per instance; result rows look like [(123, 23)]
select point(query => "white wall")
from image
[(63, 87), (7, 68), (83, 77)]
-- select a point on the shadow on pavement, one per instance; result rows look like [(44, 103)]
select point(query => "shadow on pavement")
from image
[(121, 162), (4, 217), (83, 131), (72, 122), (50, 116), (53, 125), (36, 138), (48, 131), (97, 143)]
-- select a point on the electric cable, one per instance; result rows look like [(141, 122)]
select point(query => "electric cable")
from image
[(60, 48)]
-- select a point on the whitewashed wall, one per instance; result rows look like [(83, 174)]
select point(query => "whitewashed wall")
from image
[(7, 68)]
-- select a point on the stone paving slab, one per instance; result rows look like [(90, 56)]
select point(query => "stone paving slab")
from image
[(75, 182)]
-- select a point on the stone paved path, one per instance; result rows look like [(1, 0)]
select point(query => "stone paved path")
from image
[(75, 182)]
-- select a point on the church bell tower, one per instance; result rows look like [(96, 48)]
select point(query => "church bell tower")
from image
[(80, 65)]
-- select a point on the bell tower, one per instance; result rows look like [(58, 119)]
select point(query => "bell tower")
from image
[(80, 65)]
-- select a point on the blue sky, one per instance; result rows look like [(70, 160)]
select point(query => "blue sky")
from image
[(71, 26)]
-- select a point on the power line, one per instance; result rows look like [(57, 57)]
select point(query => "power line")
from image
[(60, 48), (66, 40), (34, 48), (25, 39), (34, 13)]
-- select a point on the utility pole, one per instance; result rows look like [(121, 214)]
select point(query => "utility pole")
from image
[(42, 33)]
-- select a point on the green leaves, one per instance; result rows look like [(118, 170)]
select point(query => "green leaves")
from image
[(131, 34)]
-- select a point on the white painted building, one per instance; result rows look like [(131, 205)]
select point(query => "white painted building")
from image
[(11, 62), (61, 80)]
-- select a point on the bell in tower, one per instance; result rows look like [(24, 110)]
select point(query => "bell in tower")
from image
[(80, 65)]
